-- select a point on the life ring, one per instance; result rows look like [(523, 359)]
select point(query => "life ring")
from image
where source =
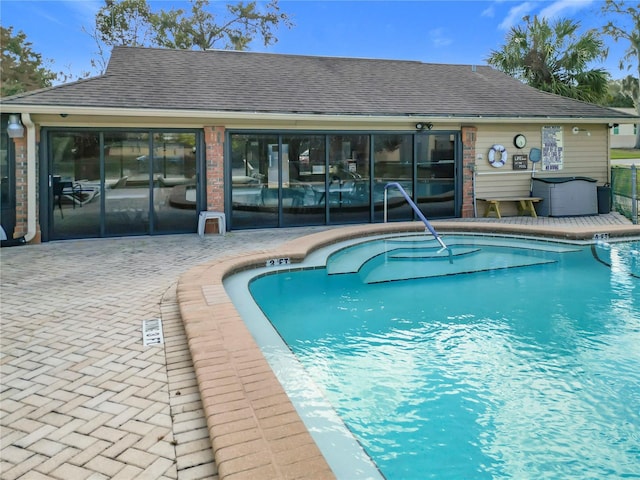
[(493, 160)]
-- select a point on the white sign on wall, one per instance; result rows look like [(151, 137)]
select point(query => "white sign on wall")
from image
[(552, 148)]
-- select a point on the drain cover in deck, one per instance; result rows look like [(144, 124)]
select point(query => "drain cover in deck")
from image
[(152, 332)]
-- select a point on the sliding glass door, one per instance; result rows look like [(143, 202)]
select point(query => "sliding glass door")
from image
[(173, 177), (255, 166), (303, 181), (115, 183), (326, 179), (127, 183), (349, 187), (75, 185), (435, 174)]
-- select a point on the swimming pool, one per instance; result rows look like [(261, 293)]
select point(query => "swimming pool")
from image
[(517, 359)]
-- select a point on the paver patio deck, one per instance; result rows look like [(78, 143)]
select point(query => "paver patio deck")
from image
[(82, 397)]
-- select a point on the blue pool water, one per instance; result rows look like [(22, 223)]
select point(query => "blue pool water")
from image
[(506, 359)]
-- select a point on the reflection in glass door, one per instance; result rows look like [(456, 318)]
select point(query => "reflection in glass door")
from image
[(303, 182), (126, 185), (255, 200), (75, 185), (349, 180), (393, 162), (435, 182), (315, 179), (173, 183), (122, 183)]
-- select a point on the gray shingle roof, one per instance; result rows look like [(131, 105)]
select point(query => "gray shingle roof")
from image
[(146, 78)]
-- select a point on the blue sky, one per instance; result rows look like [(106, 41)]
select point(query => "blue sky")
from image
[(458, 31)]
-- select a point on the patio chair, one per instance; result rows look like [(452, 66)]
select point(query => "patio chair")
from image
[(122, 181), (58, 187)]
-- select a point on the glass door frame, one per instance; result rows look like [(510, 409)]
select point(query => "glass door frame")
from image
[(425, 136), (47, 205), (280, 135)]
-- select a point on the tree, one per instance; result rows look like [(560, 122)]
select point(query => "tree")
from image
[(132, 23), (21, 69), (626, 27), (244, 22), (621, 93), (554, 58), (120, 23)]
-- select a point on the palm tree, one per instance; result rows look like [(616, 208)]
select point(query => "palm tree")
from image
[(554, 58)]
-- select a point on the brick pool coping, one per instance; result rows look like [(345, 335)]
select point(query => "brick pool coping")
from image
[(254, 429)]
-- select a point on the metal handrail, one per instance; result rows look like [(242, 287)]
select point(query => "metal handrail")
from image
[(415, 209)]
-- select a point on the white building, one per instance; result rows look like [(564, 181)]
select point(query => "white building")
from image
[(624, 135)]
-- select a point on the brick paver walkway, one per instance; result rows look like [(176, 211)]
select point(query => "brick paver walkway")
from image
[(80, 396)]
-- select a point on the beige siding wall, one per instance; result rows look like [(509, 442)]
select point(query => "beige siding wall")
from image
[(584, 156)]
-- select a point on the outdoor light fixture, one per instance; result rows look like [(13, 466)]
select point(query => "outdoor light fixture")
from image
[(577, 130), (422, 126), (15, 129)]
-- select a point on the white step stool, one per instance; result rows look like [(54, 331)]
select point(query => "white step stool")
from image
[(206, 215)]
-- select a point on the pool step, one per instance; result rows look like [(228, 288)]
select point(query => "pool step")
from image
[(432, 253), (410, 268), (351, 259), (354, 258)]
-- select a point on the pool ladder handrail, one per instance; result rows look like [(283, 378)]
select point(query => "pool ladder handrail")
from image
[(415, 209)]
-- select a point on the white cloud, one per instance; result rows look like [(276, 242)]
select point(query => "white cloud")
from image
[(439, 38), (564, 7), (84, 10), (552, 10), (515, 15), (488, 12)]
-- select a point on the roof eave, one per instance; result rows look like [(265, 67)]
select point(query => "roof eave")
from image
[(310, 117)]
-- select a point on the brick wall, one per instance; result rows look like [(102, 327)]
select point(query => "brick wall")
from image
[(469, 134), (21, 186), (214, 161)]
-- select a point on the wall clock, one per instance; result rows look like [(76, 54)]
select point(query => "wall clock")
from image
[(520, 141)]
